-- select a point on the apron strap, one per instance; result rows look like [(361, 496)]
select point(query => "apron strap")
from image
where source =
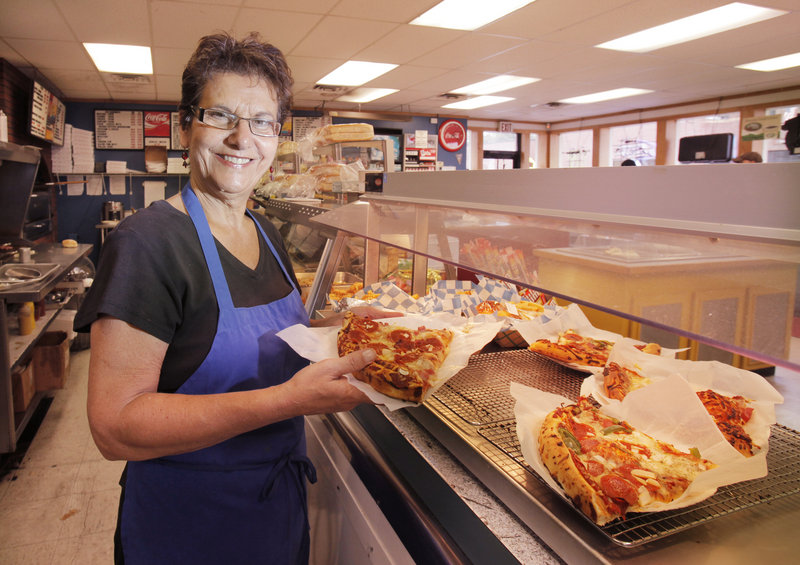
[(272, 248), (198, 217), (302, 463)]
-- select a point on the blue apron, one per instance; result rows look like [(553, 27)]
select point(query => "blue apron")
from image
[(242, 500)]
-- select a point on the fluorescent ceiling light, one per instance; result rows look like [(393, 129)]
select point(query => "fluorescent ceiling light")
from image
[(362, 95), (724, 18), (495, 84), (467, 14), (605, 95), (774, 64), (477, 102), (355, 73), (130, 59)]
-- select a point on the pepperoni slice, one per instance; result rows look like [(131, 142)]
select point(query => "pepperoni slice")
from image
[(594, 467), (616, 486), (588, 444), (580, 430)]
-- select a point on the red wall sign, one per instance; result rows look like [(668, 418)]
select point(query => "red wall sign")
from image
[(156, 124), (452, 135)]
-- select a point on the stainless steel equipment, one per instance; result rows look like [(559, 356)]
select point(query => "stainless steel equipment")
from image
[(112, 211)]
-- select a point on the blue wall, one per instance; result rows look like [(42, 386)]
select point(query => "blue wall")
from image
[(78, 215)]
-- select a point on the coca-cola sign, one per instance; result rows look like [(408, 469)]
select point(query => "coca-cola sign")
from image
[(156, 124), (452, 135)]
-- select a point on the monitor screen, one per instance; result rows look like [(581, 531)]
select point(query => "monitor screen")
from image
[(712, 148), (18, 167)]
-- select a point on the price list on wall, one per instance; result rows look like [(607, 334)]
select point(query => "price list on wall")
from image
[(118, 129)]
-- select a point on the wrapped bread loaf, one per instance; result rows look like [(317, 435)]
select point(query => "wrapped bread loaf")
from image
[(287, 148), (335, 133)]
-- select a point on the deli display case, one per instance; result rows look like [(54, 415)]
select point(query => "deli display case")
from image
[(706, 255)]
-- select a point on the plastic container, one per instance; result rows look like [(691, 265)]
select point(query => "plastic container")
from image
[(27, 319)]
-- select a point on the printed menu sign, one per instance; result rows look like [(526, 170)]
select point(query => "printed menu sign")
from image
[(47, 115), (118, 129)]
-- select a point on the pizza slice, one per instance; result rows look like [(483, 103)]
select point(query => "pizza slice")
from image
[(572, 347), (608, 468), (618, 381), (408, 359), (730, 414)]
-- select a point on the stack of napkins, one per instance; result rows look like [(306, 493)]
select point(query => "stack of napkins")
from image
[(116, 166), (62, 154), (82, 151), (175, 166)]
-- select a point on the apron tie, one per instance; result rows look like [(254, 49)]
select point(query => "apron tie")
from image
[(302, 463)]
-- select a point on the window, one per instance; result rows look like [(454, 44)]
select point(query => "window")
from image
[(634, 141), (501, 150), (705, 125), (533, 150), (775, 150), (575, 149)]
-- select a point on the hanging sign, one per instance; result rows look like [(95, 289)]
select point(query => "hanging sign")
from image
[(452, 135), (761, 127)]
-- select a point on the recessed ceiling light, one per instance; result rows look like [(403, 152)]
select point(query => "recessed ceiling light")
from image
[(467, 14), (774, 64), (495, 84), (477, 102), (605, 95), (111, 58), (362, 95), (717, 20), (355, 73)]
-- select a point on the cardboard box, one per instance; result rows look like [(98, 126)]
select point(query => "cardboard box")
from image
[(51, 361), (23, 387)]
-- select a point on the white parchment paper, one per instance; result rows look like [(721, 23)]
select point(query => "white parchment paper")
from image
[(316, 344), (551, 324), (669, 411)]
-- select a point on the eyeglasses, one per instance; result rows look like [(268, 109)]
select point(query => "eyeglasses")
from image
[(225, 120)]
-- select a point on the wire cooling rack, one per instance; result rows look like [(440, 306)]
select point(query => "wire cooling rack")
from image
[(479, 395)]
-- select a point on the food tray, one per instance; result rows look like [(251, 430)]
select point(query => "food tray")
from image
[(479, 395), (39, 272)]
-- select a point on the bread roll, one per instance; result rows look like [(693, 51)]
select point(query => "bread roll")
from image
[(335, 133)]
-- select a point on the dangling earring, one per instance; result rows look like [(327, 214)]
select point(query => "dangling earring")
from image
[(185, 156)]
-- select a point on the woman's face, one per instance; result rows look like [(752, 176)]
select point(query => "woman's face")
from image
[(229, 163)]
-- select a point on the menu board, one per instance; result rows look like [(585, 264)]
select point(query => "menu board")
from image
[(302, 126), (118, 129), (47, 115)]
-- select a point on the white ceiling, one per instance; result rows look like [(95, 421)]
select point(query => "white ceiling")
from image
[(549, 39)]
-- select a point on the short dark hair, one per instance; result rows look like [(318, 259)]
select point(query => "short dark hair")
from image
[(222, 53)]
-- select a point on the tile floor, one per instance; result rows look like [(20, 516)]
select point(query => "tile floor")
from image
[(59, 507)]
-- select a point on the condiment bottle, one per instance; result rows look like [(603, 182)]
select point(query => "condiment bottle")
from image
[(27, 322)]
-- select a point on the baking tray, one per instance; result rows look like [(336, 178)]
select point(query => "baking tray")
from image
[(479, 396), (42, 270)]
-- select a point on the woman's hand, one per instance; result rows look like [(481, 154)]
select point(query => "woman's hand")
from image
[(322, 388)]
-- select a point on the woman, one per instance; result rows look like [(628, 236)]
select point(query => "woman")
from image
[(187, 380)]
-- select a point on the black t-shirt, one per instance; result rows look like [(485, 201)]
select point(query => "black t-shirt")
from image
[(153, 275)]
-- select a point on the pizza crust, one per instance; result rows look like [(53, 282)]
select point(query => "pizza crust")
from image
[(557, 457)]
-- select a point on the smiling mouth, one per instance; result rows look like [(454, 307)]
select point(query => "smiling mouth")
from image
[(235, 160)]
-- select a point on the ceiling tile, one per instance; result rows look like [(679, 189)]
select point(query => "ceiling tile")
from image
[(47, 54), (398, 12), (467, 49), (406, 43), (18, 20), (341, 37), (283, 29), (196, 20), (100, 21), (170, 60)]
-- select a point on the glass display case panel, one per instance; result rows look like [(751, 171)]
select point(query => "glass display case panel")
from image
[(625, 270)]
